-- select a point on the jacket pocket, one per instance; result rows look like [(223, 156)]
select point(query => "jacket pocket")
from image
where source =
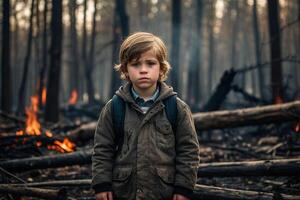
[(122, 182), (164, 134), (165, 186)]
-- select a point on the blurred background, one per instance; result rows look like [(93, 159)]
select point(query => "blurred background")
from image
[(63, 52)]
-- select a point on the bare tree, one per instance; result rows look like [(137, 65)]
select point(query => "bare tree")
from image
[(52, 102), (22, 89), (176, 33), (91, 61), (194, 81), (6, 94), (74, 46), (120, 31), (276, 68), (44, 66), (257, 48)]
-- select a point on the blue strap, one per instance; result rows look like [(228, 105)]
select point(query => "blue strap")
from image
[(171, 110), (118, 117)]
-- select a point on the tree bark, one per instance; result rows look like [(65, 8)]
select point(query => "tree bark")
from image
[(249, 116), (74, 46), (282, 167), (176, 33), (60, 160), (275, 49), (52, 102), (33, 192), (91, 61), (44, 66), (120, 31), (218, 193), (22, 89), (256, 32), (6, 92)]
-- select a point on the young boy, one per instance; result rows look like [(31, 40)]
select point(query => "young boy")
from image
[(156, 159)]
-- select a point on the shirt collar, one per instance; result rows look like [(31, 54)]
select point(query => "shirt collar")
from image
[(152, 98)]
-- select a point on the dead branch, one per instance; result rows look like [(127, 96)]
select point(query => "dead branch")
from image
[(282, 167), (33, 192), (250, 116), (218, 193), (60, 160)]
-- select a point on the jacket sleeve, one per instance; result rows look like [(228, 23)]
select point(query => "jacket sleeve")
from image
[(103, 152), (187, 149)]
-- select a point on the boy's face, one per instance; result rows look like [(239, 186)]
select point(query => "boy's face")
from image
[(144, 72)]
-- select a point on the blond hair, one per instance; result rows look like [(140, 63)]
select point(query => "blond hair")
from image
[(137, 44)]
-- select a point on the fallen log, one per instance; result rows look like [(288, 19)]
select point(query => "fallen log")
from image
[(250, 116), (218, 193), (200, 192), (33, 192), (42, 162), (280, 167), (223, 119)]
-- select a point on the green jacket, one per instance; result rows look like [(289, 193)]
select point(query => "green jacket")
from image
[(153, 160)]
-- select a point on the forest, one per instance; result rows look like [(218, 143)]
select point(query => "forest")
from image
[(236, 63)]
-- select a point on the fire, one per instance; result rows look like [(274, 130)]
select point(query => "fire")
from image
[(33, 127), (296, 127), (73, 97), (65, 146), (44, 95)]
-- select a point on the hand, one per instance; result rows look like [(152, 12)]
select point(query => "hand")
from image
[(179, 197), (104, 196)]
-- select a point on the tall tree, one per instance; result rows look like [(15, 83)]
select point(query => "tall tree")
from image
[(22, 89), (194, 82), (44, 66), (84, 41), (176, 33), (6, 95), (120, 31), (74, 46), (52, 102), (276, 68), (211, 47), (90, 67), (256, 33)]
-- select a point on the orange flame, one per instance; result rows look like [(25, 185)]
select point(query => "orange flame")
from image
[(44, 95), (33, 127), (73, 97), (296, 127), (65, 146)]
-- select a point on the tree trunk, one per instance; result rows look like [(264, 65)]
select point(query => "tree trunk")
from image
[(120, 31), (246, 117), (33, 192), (275, 49), (44, 66), (90, 67), (194, 81), (211, 47), (176, 33), (6, 92), (52, 102), (218, 193), (74, 46), (256, 32), (280, 167), (22, 89)]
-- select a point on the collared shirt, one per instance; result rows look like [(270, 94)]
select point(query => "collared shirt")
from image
[(145, 105)]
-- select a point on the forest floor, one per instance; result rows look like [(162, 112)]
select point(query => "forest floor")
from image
[(263, 142)]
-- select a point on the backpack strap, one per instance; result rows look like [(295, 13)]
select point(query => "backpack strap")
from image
[(118, 117), (171, 110)]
